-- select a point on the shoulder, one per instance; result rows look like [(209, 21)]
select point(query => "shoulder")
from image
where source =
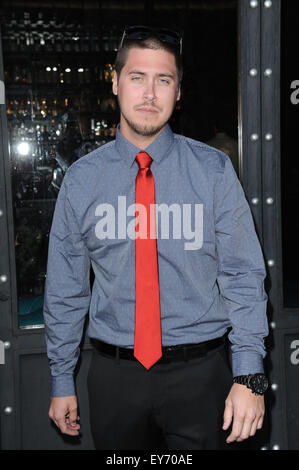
[(209, 156)]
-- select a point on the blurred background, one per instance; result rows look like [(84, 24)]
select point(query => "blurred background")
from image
[(58, 60)]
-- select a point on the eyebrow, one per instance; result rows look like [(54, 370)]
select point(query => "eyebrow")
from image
[(169, 75)]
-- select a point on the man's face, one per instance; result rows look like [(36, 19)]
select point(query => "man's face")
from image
[(147, 90)]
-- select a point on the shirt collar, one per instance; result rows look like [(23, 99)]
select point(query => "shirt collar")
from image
[(157, 149)]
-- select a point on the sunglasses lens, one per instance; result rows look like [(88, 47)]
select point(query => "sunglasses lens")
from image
[(170, 36), (169, 39), (137, 35), (136, 32)]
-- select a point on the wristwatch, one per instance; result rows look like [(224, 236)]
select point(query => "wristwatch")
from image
[(257, 383)]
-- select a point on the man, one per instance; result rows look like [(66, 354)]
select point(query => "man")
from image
[(161, 304)]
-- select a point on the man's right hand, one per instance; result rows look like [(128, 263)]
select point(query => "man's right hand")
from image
[(63, 411)]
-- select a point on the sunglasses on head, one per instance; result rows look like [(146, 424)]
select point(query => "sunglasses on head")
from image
[(139, 33)]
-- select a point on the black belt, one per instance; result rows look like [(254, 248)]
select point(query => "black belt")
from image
[(180, 352)]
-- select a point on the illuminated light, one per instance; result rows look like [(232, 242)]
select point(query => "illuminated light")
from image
[(48, 69), (54, 69), (80, 70), (68, 70), (23, 148)]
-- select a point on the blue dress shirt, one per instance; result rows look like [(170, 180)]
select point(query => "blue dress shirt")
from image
[(205, 288)]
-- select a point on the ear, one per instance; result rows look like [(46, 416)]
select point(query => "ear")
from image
[(114, 83)]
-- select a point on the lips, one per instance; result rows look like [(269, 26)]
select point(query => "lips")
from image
[(147, 110)]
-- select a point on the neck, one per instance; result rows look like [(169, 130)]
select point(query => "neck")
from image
[(140, 141)]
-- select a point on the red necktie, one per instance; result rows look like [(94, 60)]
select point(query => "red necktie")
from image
[(147, 342)]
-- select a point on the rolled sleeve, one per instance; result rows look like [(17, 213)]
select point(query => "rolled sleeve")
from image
[(67, 294), (241, 274)]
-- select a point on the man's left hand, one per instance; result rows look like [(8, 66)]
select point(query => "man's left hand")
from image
[(246, 410)]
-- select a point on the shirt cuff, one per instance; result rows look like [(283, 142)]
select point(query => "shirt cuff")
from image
[(62, 385), (244, 363)]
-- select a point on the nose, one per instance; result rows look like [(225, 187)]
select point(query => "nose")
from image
[(149, 90)]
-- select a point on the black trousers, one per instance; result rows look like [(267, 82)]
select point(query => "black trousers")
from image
[(173, 406)]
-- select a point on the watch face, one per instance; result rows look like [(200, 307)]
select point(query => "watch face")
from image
[(259, 383)]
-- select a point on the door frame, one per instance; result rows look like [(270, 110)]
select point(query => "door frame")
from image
[(260, 151)]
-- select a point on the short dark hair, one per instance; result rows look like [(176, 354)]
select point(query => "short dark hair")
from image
[(151, 42)]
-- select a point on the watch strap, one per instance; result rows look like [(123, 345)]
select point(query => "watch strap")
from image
[(242, 379)]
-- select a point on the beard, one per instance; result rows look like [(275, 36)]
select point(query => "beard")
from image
[(146, 130)]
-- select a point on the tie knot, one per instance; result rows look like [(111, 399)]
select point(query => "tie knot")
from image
[(143, 160)]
